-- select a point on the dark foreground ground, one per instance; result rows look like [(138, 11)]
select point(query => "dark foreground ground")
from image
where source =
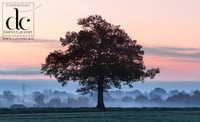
[(93, 115)]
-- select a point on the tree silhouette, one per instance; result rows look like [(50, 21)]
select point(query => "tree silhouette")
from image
[(39, 98), (9, 97), (99, 57)]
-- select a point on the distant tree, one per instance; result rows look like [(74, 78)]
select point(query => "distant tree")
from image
[(71, 102), (99, 57), (83, 101), (157, 93), (135, 93), (181, 99), (158, 100), (173, 92), (39, 98), (195, 99), (17, 106), (141, 99), (55, 102), (8, 96)]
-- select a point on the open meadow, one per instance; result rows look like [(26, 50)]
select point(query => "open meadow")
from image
[(94, 115)]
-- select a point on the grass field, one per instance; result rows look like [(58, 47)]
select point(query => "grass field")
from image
[(94, 115)]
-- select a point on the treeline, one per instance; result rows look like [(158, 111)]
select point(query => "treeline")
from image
[(156, 98)]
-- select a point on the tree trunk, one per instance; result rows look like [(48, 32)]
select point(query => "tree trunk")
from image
[(100, 101)]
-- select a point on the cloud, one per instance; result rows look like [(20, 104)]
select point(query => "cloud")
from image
[(21, 71), (190, 53)]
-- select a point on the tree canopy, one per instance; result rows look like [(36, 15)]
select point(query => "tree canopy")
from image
[(99, 57)]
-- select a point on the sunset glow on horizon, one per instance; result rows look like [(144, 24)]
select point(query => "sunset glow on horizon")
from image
[(169, 32)]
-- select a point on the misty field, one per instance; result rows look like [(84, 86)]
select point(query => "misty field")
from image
[(93, 115)]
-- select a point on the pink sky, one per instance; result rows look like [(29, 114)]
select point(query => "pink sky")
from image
[(168, 30)]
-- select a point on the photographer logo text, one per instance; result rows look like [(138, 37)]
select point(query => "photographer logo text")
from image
[(18, 21)]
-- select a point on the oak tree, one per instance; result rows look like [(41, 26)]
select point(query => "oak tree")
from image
[(99, 57)]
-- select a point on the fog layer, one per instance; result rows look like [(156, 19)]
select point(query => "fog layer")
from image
[(156, 98)]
